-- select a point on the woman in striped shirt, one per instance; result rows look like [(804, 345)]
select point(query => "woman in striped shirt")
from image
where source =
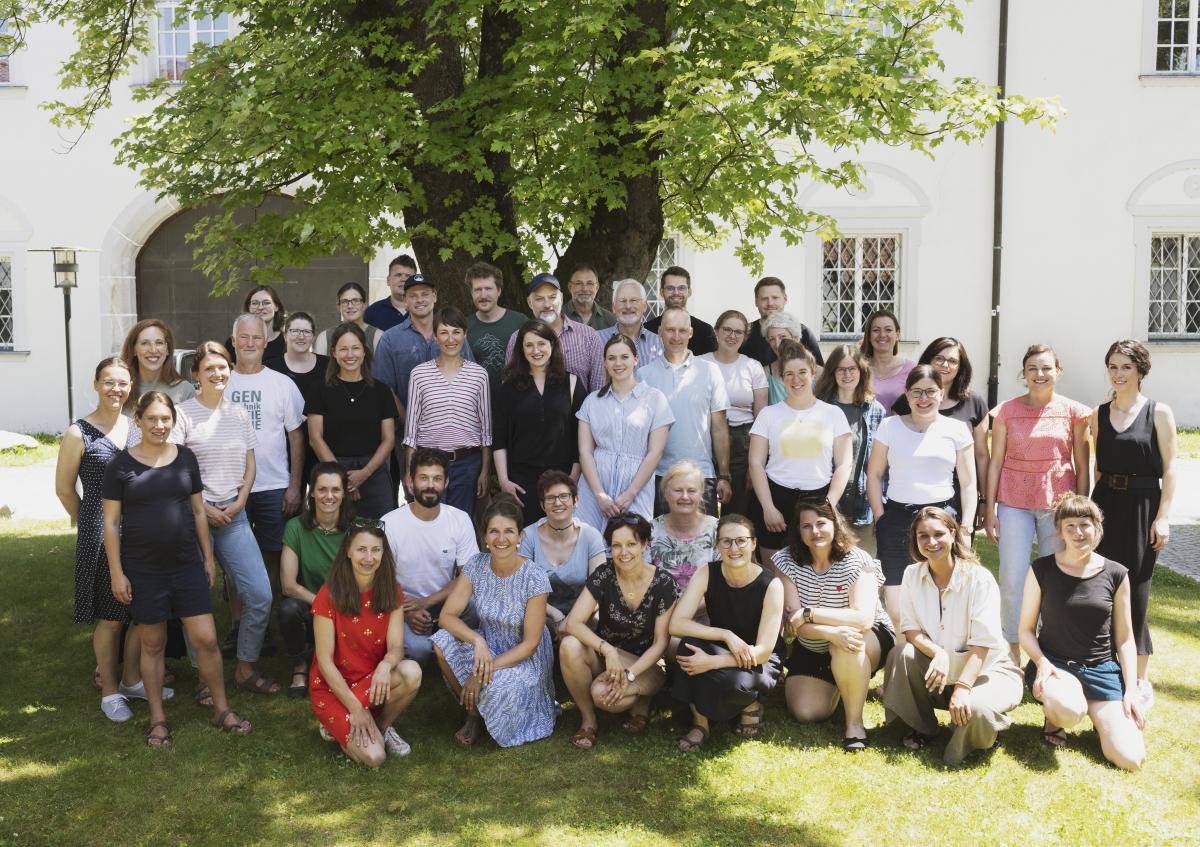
[(832, 606), (450, 408)]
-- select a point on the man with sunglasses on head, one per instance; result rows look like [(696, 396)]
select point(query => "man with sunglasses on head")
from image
[(430, 542)]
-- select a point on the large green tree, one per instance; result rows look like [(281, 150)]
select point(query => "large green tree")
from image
[(519, 129)]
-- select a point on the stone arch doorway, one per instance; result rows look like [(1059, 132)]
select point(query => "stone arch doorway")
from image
[(170, 289)]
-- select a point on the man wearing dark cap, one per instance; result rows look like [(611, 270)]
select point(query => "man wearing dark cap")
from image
[(583, 352)]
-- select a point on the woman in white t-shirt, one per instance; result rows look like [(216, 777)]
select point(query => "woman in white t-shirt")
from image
[(920, 453), (799, 449), (746, 385)]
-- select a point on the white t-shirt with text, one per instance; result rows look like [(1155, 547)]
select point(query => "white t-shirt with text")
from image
[(275, 407)]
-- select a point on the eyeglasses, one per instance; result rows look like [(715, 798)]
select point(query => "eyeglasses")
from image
[(846, 371), (110, 384), (262, 304), (675, 289), (300, 332), (926, 393), (351, 301), (945, 362), (733, 333), (366, 523), (565, 497), (742, 542)]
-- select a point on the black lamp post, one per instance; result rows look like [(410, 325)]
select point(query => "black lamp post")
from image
[(66, 277)]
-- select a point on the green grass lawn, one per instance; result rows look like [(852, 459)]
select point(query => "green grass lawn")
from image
[(19, 457), (68, 776), (1188, 443)]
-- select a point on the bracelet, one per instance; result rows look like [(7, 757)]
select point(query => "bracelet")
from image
[(967, 685)]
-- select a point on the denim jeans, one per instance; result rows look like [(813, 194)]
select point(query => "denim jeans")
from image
[(1018, 527), (237, 551), (463, 474), (419, 646)]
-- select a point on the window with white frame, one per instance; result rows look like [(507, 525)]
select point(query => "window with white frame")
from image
[(663, 259), (1176, 42), (177, 34), (6, 303), (1175, 285), (859, 274)]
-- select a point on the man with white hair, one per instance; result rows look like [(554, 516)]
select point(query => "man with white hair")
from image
[(629, 304), (582, 349)]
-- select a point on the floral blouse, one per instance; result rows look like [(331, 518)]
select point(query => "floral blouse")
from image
[(628, 629)]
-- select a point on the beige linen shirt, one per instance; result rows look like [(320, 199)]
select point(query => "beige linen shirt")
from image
[(966, 614)]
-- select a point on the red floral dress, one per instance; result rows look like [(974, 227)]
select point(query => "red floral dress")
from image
[(360, 643)]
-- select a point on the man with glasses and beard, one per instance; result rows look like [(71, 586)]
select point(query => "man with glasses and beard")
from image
[(430, 542)]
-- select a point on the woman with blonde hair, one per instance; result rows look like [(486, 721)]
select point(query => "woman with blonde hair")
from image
[(684, 538)]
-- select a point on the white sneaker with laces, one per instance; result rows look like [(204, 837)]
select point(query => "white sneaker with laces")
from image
[(116, 708), (325, 734), (394, 744), (138, 692)]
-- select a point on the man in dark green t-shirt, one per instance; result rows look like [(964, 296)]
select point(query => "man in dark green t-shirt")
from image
[(490, 327)]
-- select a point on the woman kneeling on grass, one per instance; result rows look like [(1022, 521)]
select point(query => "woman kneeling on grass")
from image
[(832, 606), (956, 657), (1083, 602), (160, 557), (361, 681), (730, 664), (616, 668)]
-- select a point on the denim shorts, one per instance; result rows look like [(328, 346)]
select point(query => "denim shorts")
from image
[(1100, 681), (264, 509)]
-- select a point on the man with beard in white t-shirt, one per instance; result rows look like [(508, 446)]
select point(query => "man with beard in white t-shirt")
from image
[(430, 543)]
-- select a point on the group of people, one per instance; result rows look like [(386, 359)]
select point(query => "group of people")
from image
[(663, 506)]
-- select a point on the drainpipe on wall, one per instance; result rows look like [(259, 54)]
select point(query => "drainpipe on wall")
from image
[(998, 215)]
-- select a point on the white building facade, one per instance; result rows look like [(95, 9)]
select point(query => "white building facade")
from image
[(1101, 219)]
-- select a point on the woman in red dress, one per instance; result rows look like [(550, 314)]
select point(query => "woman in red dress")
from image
[(361, 681)]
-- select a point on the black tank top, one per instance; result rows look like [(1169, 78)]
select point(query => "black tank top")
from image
[(1134, 451), (738, 610), (1077, 613)]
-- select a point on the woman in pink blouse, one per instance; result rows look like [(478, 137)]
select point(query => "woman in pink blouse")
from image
[(881, 346), (1039, 452)]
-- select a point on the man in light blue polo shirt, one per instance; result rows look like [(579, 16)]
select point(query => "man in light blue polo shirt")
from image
[(698, 398), (629, 304)]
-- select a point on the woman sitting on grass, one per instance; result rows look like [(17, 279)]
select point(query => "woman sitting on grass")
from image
[(730, 664), (1082, 600), (361, 681), (616, 668), (501, 674), (160, 557), (831, 604), (956, 657)]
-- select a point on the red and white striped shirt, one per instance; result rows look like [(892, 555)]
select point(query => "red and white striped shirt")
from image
[(448, 414)]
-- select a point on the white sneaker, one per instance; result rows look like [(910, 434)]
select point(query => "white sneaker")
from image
[(1145, 695), (116, 708), (325, 734), (138, 692), (394, 744)]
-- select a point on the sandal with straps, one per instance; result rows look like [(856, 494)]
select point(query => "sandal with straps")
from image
[(241, 727), (153, 740), (750, 722), (916, 740), (585, 739), (256, 683), (636, 724), (687, 745), (1054, 737)]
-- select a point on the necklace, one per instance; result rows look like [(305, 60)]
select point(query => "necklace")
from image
[(353, 397), (560, 529), (639, 588)]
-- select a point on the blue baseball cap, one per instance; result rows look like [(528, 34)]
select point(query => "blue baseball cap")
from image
[(540, 280)]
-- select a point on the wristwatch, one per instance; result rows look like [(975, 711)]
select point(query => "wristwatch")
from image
[(807, 614), (630, 675)]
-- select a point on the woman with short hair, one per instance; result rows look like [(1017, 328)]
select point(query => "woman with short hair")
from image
[(728, 665), (263, 301), (160, 558), (1083, 656), (779, 329), (502, 674), (684, 538), (361, 681), (351, 308), (563, 546), (298, 362), (954, 657), (310, 543), (616, 668), (831, 605), (351, 421), (881, 345)]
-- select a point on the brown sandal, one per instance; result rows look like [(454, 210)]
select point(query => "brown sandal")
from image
[(256, 683), (636, 724), (241, 727), (585, 739), (153, 740)]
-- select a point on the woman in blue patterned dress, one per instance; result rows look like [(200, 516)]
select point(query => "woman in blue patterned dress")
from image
[(500, 673), (88, 446), (622, 432)]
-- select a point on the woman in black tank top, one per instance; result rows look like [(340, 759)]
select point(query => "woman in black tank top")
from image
[(1082, 660), (1135, 484), (725, 667)]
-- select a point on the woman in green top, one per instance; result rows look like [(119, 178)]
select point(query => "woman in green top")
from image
[(310, 543)]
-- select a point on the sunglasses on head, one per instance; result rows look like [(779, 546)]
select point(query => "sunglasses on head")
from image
[(366, 523)]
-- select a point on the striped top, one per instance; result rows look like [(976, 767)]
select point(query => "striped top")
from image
[(220, 438), (831, 589), (448, 414)]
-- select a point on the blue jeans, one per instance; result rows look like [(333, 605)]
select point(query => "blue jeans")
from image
[(419, 646), (237, 551), (460, 488), (1018, 527)]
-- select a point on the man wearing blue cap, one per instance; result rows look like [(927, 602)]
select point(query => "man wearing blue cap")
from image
[(583, 352)]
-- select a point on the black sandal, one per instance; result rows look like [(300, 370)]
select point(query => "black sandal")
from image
[(298, 691), (687, 745), (750, 722), (153, 740), (916, 740)]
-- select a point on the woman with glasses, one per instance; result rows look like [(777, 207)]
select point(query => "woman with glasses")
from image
[(566, 548), (305, 368), (746, 385), (361, 682), (729, 664), (351, 306), (534, 428), (949, 359), (149, 349), (1040, 451), (351, 420), (881, 345), (846, 383), (502, 673), (800, 449), (831, 605), (264, 302), (616, 667), (920, 452)]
